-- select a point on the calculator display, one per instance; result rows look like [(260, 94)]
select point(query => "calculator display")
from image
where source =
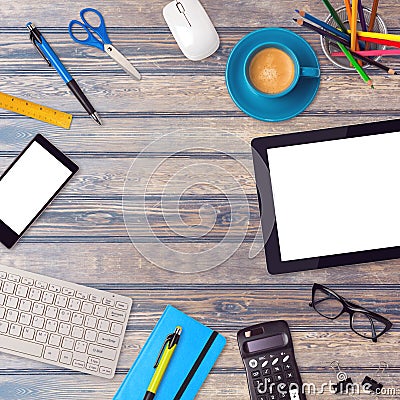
[(271, 342)]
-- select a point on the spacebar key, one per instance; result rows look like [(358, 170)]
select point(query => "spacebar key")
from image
[(21, 346)]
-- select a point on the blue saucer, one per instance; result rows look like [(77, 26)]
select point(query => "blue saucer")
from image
[(280, 108)]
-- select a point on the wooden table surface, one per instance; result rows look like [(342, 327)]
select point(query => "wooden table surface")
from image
[(82, 236)]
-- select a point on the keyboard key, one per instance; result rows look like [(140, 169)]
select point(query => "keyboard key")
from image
[(14, 278), (22, 291), (78, 363), (28, 333), (121, 305), (41, 285), (64, 315), (38, 308), (8, 287), (48, 297), (38, 322), (15, 330), (25, 305), (25, 319), (100, 351), (108, 302), (61, 301), (92, 367), (80, 346), (34, 294), (2, 312), (51, 353), (66, 357), (51, 312), (68, 291), (77, 332), (77, 318), (51, 325), (90, 335), (3, 327), (41, 336), (277, 368), (94, 361), (87, 308), (81, 295), (100, 311), (2, 299), (116, 328), (105, 370), (112, 341), (27, 281), (22, 346), (64, 328), (103, 325), (116, 315), (95, 298), (90, 322), (68, 343), (55, 340), (12, 302), (267, 371), (54, 288), (3, 275), (12, 315), (74, 304)]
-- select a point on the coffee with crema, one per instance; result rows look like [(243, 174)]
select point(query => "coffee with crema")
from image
[(271, 70)]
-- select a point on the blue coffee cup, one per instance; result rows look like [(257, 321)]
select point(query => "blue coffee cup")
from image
[(299, 71)]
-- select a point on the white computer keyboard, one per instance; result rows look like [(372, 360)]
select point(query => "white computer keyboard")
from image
[(61, 323)]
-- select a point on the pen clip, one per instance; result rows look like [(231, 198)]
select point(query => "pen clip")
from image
[(167, 341), (35, 39)]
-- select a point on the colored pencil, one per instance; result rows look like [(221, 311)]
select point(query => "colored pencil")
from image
[(378, 35), (340, 42), (371, 53), (382, 42), (324, 25), (335, 15), (359, 69), (322, 32), (369, 61), (353, 24), (372, 19), (373, 15), (362, 16), (348, 9)]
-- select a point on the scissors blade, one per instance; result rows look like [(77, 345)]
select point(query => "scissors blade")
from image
[(122, 61)]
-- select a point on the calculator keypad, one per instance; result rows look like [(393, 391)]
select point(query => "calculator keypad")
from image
[(272, 376)]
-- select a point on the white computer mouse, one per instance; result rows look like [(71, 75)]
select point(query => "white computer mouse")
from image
[(192, 28)]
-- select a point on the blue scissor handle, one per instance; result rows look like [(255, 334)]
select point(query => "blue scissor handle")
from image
[(90, 40), (100, 30)]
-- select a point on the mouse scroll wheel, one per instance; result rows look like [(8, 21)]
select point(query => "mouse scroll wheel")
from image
[(180, 7)]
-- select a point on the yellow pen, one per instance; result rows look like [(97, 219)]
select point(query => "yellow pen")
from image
[(162, 362)]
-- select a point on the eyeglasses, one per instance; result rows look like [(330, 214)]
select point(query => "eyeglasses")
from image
[(365, 323)]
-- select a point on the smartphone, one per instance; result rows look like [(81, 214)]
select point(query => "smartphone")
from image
[(28, 186)]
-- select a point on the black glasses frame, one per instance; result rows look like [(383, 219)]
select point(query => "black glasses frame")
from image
[(351, 309)]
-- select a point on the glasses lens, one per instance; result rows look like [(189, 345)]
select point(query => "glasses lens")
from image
[(367, 326), (327, 304)]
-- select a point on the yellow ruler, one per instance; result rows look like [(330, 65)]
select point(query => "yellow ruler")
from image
[(35, 111)]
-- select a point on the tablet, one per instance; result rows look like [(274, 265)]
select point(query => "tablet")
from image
[(329, 197), (29, 185)]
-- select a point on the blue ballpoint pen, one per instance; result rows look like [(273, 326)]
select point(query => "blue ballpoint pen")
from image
[(51, 58)]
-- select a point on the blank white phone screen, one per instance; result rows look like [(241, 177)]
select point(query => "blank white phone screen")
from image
[(29, 185), (337, 196)]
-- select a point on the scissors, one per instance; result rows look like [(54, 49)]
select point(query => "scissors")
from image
[(104, 43)]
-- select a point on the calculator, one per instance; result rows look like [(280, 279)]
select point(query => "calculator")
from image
[(268, 356)]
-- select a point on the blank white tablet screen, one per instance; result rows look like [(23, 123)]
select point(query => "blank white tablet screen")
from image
[(29, 185), (337, 196)]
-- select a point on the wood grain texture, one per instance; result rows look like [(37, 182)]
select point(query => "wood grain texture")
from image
[(82, 236)]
